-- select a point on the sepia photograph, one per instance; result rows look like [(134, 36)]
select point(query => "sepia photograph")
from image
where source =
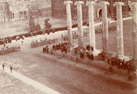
[(68, 46)]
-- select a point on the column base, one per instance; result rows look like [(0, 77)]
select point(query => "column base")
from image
[(96, 52)]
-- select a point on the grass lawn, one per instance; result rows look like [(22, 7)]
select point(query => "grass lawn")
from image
[(113, 38), (12, 28)]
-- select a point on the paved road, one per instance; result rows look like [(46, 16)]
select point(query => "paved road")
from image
[(61, 77), (31, 82), (64, 78)]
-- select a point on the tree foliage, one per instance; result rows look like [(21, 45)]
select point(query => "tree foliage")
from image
[(47, 25), (37, 28)]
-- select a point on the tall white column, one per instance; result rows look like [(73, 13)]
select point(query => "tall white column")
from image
[(134, 13), (120, 42), (80, 23), (91, 23), (28, 12), (69, 23), (105, 26)]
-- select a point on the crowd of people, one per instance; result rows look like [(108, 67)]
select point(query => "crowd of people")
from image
[(46, 49), (74, 35), (43, 42), (88, 52), (83, 53), (7, 49), (121, 64), (59, 46), (114, 61), (64, 37)]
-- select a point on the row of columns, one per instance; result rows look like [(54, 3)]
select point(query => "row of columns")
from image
[(92, 38), (120, 42), (134, 13)]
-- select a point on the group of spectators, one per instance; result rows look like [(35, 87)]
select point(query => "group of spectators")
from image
[(7, 49), (88, 52), (121, 64), (9, 39), (64, 37), (60, 46), (43, 42), (74, 35), (5, 40), (46, 49)]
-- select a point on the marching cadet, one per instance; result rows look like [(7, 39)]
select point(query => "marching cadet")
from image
[(11, 69), (3, 66)]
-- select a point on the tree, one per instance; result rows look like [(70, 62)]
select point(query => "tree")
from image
[(47, 25), (37, 28)]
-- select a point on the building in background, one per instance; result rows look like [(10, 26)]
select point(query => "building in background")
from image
[(4, 11), (59, 10), (15, 10)]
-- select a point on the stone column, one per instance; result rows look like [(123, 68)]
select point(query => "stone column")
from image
[(28, 12), (91, 23), (105, 26), (80, 23), (134, 13), (120, 42), (69, 24)]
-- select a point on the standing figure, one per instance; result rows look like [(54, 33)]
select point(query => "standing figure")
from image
[(3, 66), (11, 69)]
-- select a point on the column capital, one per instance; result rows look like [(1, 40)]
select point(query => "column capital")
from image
[(67, 2), (104, 3), (118, 4), (89, 3), (79, 2)]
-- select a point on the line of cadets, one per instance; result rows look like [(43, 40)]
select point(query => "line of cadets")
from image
[(63, 47), (122, 64), (119, 63), (59, 46), (88, 52)]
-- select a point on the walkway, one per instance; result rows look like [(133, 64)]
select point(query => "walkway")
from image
[(31, 82)]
